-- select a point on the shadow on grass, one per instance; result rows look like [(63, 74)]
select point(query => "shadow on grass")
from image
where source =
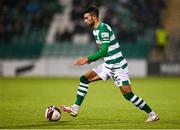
[(67, 124), (90, 123), (37, 125)]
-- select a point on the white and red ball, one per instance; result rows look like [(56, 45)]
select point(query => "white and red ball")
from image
[(52, 113)]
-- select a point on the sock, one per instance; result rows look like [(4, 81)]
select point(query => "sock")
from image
[(151, 113), (138, 102), (75, 107), (82, 90)]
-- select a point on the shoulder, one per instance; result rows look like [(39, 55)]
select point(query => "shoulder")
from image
[(105, 27), (104, 32)]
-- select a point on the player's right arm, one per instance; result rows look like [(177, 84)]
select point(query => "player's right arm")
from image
[(101, 53)]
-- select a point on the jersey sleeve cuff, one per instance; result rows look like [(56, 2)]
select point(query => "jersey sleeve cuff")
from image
[(89, 58)]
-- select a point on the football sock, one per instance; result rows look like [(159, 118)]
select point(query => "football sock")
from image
[(138, 102), (151, 113), (82, 90), (75, 107)]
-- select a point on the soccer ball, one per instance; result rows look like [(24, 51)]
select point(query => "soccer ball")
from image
[(52, 113)]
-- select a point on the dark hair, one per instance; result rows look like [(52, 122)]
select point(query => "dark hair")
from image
[(92, 10)]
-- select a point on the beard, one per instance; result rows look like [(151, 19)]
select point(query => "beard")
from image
[(91, 24)]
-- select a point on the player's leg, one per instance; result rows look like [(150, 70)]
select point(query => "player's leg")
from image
[(90, 76), (126, 90), (122, 81)]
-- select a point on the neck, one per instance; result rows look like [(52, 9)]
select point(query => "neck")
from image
[(97, 22)]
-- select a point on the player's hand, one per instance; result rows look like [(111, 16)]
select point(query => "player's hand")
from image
[(81, 61)]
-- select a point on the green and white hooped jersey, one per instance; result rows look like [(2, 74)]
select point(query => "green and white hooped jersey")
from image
[(114, 57)]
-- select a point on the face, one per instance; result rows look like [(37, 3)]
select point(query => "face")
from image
[(89, 19)]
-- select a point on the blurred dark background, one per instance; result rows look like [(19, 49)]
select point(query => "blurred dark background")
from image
[(145, 29)]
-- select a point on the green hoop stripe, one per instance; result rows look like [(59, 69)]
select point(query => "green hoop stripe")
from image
[(114, 61), (83, 86), (82, 91), (135, 100), (113, 42), (124, 66), (117, 50), (140, 103)]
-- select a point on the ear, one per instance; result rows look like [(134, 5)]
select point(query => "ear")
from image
[(94, 16)]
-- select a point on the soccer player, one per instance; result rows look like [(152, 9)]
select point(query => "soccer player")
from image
[(115, 66)]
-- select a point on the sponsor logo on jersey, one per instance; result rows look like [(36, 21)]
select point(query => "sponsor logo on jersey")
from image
[(105, 36)]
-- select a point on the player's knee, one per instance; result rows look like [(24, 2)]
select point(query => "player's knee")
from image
[(84, 80), (125, 89)]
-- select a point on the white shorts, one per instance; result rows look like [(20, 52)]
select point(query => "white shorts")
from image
[(120, 76)]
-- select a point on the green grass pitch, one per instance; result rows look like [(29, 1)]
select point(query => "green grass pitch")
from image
[(23, 102)]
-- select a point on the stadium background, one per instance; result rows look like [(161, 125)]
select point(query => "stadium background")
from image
[(40, 39), (43, 37)]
